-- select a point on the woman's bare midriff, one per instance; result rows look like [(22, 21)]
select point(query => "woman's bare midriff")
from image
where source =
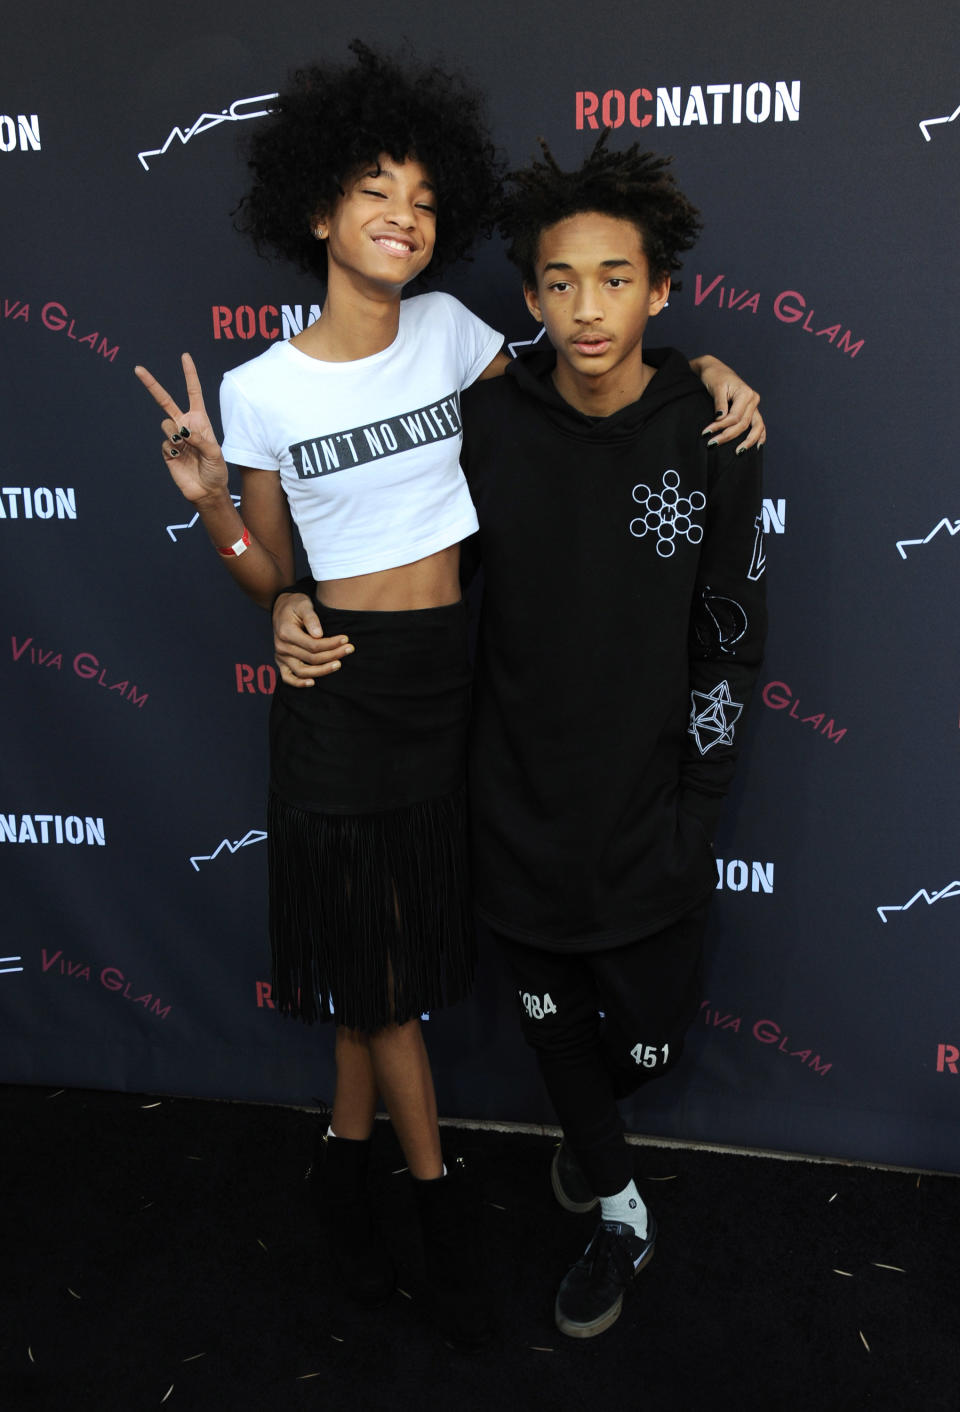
[(426, 583)]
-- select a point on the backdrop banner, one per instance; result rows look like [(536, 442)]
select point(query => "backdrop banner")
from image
[(822, 148)]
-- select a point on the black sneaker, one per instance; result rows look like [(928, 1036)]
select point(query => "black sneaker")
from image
[(591, 1293), (570, 1186)]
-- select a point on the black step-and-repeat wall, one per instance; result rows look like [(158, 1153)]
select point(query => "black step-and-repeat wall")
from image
[(822, 144)]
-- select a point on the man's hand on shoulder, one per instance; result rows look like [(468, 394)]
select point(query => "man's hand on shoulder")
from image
[(301, 651)]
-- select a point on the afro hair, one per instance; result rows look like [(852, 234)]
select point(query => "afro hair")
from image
[(334, 120)]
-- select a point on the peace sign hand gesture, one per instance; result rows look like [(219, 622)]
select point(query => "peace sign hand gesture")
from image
[(191, 450)]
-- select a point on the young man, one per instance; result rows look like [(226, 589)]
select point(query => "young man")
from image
[(622, 629), (621, 632)]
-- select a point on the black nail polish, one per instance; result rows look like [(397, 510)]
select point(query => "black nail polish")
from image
[(175, 437), (173, 453), (184, 431)]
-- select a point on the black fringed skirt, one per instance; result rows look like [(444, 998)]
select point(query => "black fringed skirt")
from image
[(370, 907)]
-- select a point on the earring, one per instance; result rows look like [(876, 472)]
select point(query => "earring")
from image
[(320, 233)]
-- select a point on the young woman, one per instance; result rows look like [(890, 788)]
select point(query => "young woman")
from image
[(367, 175)]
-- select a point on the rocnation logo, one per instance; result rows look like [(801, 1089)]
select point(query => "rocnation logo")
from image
[(952, 889), (260, 680), (267, 321), (20, 133), (239, 111), (252, 836), (789, 307), (706, 105), (28, 502), (265, 995), (736, 875), (52, 828), (774, 517)]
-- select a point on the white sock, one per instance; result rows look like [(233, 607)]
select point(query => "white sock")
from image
[(626, 1207)]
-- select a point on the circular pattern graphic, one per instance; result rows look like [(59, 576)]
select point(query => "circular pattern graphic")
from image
[(668, 514)]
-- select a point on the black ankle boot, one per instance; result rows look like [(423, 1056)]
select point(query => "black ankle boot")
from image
[(339, 1180), (450, 1222)]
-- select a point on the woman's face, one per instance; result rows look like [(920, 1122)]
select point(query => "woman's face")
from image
[(382, 230)]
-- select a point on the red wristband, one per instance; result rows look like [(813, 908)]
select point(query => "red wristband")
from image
[(233, 551)]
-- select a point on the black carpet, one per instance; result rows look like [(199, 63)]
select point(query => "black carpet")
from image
[(161, 1253)]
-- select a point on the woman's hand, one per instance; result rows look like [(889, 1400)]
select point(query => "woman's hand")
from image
[(736, 404), (190, 450), (300, 649)]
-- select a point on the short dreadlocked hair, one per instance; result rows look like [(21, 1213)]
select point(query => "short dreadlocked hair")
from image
[(632, 185), (335, 120)]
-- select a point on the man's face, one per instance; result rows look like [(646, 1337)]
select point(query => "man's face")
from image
[(593, 294)]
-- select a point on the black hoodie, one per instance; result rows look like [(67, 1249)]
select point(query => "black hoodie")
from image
[(621, 632)]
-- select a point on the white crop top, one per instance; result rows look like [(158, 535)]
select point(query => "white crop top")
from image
[(369, 451)]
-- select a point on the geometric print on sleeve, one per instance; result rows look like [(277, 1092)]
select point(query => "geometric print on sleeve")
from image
[(668, 514), (713, 716)]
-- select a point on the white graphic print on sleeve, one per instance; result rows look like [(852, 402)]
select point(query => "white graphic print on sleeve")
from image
[(668, 514), (721, 622), (758, 560), (713, 716), (341, 450)]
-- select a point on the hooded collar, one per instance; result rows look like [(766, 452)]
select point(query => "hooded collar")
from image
[(532, 371)]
